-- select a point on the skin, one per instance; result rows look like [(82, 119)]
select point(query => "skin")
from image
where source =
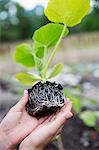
[(18, 126)]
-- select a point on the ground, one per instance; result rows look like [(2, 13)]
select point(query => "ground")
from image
[(76, 136)]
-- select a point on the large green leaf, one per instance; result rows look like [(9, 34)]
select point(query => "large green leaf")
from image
[(69, 12), (26, 79), (23, 55), (89, 118), (56, 70), (48, 35)]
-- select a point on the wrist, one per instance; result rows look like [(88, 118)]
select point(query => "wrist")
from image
[(4, 141)]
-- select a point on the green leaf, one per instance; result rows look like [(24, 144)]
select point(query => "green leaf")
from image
[(69, 12), (27, 79), (48, 35), (77, 105), (76, 102), (38, 49), (56, 70), (23, 54), (37, 45), (40, 52), (89, 118)]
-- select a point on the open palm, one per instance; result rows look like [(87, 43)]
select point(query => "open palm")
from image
[(47, 130), (18, 124)]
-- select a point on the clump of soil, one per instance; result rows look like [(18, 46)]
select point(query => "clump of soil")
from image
[(45, 99)]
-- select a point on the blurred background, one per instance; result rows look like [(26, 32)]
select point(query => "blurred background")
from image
[(80, 53)]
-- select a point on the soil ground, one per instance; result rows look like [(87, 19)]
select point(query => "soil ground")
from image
[(76, 136)]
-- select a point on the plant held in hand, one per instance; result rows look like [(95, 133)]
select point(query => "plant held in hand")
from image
[(46, 97)]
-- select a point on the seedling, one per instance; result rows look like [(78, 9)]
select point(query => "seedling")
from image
[(46, 97)]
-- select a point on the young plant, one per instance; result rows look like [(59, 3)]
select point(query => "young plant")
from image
[(45, 96)]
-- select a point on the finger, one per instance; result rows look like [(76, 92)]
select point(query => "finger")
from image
[(62, 116), (67, 106), (59, 122), (50, 129), (48, 119), (42, 120), (10, 120), (45, 134), (21, 104)]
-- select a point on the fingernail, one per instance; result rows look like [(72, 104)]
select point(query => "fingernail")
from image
[(25, 92), (67, 115)]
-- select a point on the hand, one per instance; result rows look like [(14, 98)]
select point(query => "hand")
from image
[(17, 125), (46, 131)]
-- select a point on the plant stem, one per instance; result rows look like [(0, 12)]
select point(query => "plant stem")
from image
[(44, 60), (45, 54), (54, 51)]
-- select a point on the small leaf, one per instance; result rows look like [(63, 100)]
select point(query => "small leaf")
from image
[(23, 55), (40, 52), (69, 12), (38, 49), (56, 70), (89, 118), (27, 79), (48, 35)]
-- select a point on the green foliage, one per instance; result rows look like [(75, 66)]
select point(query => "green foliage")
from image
[(24, 55), (56, 70), (77, 104), (69, 12), (89, 118), (27, 79), (48, 35)]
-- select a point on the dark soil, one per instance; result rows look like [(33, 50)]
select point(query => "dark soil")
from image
[(45, 99), (76, 136)]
